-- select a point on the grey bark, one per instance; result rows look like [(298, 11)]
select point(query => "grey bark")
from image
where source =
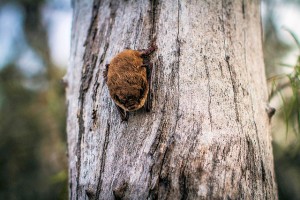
[(207, 136)]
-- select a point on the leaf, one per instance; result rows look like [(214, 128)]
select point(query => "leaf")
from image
[(293, 35)]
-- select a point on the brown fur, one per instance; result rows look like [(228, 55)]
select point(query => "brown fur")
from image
[(127, 80)]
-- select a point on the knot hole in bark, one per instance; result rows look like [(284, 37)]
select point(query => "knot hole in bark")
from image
[(120, 189)]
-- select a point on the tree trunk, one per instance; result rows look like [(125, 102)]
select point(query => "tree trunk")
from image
[(207, 136)]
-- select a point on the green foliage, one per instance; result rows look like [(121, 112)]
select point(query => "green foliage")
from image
[(26, 128), (33, 163), (284, 97), (291, 103)]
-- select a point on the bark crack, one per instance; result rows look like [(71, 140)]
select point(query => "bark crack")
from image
[(96, 86), (178, 46), (214, 164), (209, 92), (90, 59), (250, 160), (159, 157), (182, 178), (105, 49), (103, 159), (178, 58), (163, 137), (154, 5), (223, 27), (245, 52), (263, 174), (183, 184), (257, 137), (89, 62), (243, 9), (230, 68), (221, 69), (157, 139), (234, 88)]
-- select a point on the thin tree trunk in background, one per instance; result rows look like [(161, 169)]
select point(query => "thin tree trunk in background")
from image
[(207, 136)]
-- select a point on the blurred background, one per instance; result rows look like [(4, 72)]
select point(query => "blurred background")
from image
[(34, 52)]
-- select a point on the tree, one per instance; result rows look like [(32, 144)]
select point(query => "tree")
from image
[(207, 135)]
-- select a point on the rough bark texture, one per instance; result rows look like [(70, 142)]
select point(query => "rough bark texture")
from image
[(207, 136)]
